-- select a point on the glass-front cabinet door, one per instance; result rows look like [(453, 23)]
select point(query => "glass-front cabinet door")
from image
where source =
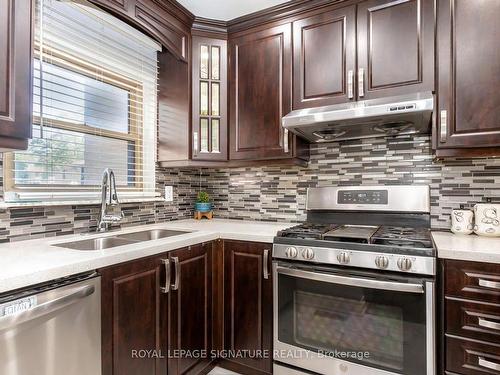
[(355, 323), (209, 136)]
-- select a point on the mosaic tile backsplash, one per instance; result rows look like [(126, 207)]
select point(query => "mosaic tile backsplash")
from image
[(278, 193), (34, 222)]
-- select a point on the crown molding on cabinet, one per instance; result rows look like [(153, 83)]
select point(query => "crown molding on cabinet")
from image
[(207, 27)]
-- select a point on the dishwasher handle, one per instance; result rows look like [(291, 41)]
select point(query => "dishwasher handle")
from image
[(10, 321)]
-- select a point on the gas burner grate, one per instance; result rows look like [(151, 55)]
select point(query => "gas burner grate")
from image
[(306, 231), (403, 236)]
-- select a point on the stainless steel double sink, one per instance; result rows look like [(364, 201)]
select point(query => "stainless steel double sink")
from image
[(102, 243)]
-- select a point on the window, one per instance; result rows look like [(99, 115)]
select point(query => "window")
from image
[(94, 106)]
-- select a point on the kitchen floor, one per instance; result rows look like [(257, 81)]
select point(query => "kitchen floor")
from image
[(221, 371)]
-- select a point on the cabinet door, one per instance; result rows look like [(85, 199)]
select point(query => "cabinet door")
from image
[(248, 304), (324, 58), (190, 308), (15, 73), (395, 47), (260, 93), (468, 74), (131, 317), (209, 99)]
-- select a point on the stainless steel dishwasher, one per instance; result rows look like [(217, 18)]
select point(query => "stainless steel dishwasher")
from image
[(52, 328)]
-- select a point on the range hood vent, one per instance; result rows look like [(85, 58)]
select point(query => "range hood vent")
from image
[(408, 114)]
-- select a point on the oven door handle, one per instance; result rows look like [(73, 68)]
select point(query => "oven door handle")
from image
[(352, 281)]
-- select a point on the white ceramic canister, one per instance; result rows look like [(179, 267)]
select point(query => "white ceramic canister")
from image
[(462, 221), (487, 217)]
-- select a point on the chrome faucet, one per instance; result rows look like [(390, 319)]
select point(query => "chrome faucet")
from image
[(108, 198)]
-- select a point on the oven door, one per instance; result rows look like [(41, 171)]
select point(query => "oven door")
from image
[(333, 321)]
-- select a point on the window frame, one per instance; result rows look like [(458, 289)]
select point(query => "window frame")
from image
[(135, 123)]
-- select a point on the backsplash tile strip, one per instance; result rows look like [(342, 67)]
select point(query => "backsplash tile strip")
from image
[(279, 193), (274, 193), (17, 224)]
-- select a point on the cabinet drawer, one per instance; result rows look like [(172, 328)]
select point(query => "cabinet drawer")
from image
[(471, 280), (471, 357), (479, 321)]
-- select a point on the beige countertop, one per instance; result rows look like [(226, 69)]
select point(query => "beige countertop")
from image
[(467, 247), (31, 262)]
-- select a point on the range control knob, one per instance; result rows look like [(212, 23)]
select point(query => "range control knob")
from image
[(308, 254), (344, 257), (382, 261), (291, 252), (404, 264)]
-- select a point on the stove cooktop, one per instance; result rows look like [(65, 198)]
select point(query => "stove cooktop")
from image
[(385, 247), (368, 234)]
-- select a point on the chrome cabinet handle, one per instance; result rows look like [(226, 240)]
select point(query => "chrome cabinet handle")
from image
[(488, 364), (488, 324), (443, 133), (489, 284), (361, 82), (266, 264), (175, 285), (286, 147), (195, 142), (350, 79), (166, 288)]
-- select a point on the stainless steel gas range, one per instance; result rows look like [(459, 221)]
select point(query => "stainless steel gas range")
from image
[(354, 285)]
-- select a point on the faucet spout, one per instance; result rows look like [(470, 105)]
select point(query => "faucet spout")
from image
[(109, 197)]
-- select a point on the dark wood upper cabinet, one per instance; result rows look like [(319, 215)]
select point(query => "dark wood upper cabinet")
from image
[(324, 58), (15, 73), (395, 43), (248, 304), (209, 138), (173, 108), (167, 29), (260, 93), (190, 308), (468, 111), (164, 21), (132, 317)]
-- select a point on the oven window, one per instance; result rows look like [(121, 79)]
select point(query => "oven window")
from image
[(389, 326)]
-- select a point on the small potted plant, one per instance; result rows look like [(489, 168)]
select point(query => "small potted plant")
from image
[(203, 203)]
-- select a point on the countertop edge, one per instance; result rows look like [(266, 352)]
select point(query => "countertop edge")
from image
[(471, 247), (34, 276)]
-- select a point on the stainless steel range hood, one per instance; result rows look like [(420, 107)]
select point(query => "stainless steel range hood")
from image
[(408, 114)]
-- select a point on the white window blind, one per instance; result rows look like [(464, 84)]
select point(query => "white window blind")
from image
[(94, 106)]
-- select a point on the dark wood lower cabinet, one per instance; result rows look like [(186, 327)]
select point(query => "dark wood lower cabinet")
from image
[(190, 309), (469, 357), (471, 318), (140, 320), (219, 297), (132, 317), (248, 312)]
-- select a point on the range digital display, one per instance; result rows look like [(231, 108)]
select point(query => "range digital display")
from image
[(362, 197)]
